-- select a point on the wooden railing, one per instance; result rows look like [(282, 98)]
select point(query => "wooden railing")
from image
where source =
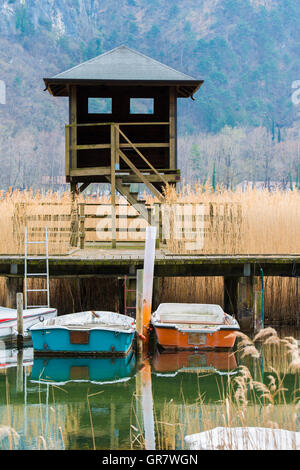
[(116, 147)]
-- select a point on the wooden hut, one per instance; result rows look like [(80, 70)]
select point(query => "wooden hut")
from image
[(122, 122)]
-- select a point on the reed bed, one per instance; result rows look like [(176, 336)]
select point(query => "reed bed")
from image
[(237, 222), (251, 222), (230, 222), (281, 296)]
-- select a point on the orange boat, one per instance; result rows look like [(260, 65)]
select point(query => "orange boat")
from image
[(194, 326)]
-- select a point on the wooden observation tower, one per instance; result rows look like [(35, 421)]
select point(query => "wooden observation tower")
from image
[(122, 122)]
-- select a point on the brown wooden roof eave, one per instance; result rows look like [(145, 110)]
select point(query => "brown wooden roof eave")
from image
[(60, 87)]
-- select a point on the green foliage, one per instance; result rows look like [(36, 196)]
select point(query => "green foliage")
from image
[(45, 23), (23, 21)]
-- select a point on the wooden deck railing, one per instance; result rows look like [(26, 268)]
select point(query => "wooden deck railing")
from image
[(116, 147), (91, 222)]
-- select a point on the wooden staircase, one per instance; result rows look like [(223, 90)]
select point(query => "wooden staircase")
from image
[(132, 196), (116, 179)]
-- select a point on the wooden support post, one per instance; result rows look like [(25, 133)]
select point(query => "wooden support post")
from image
[(74, 215), (258, 307), (230, 295), (158, 223), (139, 313), (117, 145), (20, 328), (155, 295), (243, 298), (73, 119), (67, 151), (245, 303), (113, 186), (13, 286), (172, 127), (82, 228)]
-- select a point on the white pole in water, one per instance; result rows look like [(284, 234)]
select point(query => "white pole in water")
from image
[(20, 330), (139, 311), (148, 277)]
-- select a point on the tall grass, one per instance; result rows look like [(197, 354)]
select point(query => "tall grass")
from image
[(250, 222), (247, 399), (281, 296)]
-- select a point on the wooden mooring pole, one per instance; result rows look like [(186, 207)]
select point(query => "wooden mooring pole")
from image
[(20, 329), (139, 312), (243, 298)]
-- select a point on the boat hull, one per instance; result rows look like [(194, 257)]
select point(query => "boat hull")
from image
[(61, 341), (172, 338), (8, 327)]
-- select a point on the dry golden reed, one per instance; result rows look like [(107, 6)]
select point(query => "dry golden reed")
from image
[(249, 222)]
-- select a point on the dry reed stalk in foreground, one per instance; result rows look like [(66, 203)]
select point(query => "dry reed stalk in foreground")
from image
[(244, 401)]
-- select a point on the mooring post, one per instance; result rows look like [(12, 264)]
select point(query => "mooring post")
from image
[(20, 330), (139, 312), (258, 303), (243, 298), (12, 286), (148, 278)]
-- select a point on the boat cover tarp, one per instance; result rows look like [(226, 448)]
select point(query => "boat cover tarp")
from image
[(202, 313), (247, 438)]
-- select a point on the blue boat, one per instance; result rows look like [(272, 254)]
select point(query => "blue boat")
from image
[(100, 370), (84, 333)]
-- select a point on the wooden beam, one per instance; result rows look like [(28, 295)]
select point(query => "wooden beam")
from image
[(172, 127), (141, 176), (83, 186), (67, 151), (117, 142), (74, 125), (142, 156), (91, 171)]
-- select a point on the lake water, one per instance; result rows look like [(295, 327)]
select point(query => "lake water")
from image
[(105, 403)]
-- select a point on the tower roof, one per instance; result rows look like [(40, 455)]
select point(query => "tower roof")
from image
[(121, 66)]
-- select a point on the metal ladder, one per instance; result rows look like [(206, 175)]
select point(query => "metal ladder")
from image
[(44, 274)]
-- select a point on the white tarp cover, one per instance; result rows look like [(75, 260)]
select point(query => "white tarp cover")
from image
[(247, 438), (190, 312), (82, 319)]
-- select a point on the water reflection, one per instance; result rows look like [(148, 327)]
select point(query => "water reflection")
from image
[(172, 363), (94, 370), (113, 403)]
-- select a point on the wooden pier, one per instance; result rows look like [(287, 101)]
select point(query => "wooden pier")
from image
[(123, 262), (242, 273)]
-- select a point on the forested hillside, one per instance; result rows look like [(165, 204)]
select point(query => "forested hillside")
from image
[(247, 51)]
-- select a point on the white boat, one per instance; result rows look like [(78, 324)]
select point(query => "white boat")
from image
[(247, 438), (8, 319)]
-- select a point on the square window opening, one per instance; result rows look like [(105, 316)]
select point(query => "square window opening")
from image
[(100, 105), (141, 105)]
